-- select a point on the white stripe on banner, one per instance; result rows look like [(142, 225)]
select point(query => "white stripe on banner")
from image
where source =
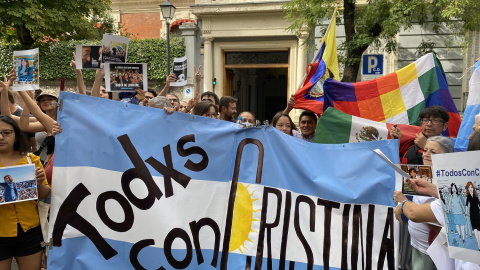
[(296, 227), (209, 200)]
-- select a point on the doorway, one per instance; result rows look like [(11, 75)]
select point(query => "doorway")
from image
[(261, 91), (259, 80)]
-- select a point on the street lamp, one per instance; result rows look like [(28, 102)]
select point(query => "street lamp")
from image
[(168, 10)]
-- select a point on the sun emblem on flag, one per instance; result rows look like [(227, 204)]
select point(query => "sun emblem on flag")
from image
[(317, 90), (243, 219)]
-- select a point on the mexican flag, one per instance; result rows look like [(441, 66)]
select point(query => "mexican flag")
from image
[(336, 127)]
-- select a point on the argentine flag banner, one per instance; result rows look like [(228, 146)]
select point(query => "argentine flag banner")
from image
[(135, 188)]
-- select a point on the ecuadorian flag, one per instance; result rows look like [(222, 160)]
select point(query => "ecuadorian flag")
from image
[(398, 97), (310, 95)]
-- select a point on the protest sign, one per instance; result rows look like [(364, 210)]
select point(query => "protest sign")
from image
[(114, 48), (88, 57), (18, 184), (416, 172), (125, 77), (25, 64), (183, 191), (458, 184), (180, 70)]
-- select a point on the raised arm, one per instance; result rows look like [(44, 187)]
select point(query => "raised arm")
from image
[(171, 78), (5, 108), (100, 73), (78, 72), (289, 107), (45, 121), (196, 95)]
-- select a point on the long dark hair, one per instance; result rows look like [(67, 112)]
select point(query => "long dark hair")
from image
[(20, 145), (203, 107), (451, 188), (280, 114)]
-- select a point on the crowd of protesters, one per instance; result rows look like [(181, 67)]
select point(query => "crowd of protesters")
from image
[(20, 235)]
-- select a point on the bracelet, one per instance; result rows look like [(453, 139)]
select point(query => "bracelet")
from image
[(402, 203)]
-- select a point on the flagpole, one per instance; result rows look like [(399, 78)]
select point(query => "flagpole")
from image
[(300, 84)]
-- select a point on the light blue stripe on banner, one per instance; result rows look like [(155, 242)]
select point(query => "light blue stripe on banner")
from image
[(91, 127), (347, 173), (149, 257)]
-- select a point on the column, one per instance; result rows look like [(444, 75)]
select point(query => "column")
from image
[(189, 31), (301, 60), (207, 64)]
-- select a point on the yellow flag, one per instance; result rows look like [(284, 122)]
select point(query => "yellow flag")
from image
[(330, 53)]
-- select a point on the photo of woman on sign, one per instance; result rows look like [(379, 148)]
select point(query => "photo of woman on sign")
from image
[(10, 192), (25, 71)]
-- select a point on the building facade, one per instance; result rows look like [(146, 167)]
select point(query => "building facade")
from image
[(243, 46)]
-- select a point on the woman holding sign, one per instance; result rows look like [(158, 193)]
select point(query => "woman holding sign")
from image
[(20, 232), (430, 212)]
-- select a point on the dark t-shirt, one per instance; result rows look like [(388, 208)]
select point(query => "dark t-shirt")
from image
[(414, 155)]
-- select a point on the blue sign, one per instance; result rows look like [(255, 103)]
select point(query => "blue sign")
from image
[(372, 64)]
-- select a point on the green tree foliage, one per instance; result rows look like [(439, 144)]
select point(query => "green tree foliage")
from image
[(55, 57), (378, 21), (30, 21)]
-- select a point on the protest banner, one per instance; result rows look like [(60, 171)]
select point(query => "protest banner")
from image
[(88, 57), (125, 77), (18, 184), (457, 176), (26, 67), (183, 191), (114, 48), (180, 70)]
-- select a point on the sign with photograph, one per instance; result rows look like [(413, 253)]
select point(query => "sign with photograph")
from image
[(26, 66), (114, 48), (171, 198), (125, 77), (180, 70), (416, 172), (18, 184), (88, 57), (458, 182)]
